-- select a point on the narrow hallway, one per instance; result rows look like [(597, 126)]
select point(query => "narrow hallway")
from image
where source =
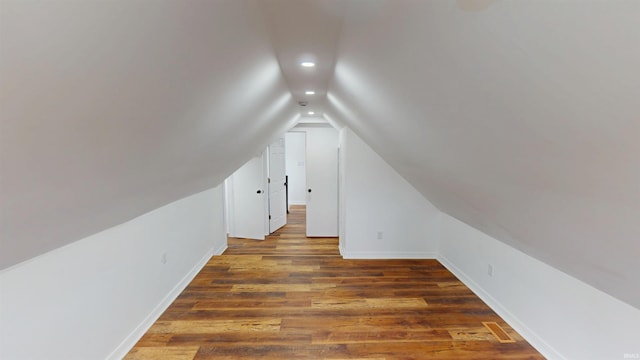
[(288, 240), (292, 297)]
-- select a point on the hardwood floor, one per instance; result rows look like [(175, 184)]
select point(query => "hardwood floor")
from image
[(290, 297)]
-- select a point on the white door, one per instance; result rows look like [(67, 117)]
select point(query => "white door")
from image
[(247, 200), (277, 189), (322, 182)]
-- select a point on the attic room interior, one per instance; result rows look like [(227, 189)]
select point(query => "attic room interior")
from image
[(497, 141)]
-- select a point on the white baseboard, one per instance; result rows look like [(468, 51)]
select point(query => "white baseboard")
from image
[(127, 344), (387, 254), (220, 250), (533, 338)]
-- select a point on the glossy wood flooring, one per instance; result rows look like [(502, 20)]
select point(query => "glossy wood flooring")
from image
[(290, 297)]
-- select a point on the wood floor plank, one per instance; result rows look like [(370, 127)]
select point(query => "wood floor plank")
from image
[(164, 352), (280, 287), (246, 304), (238, 338), (381, 336), (370, 303), (215, 326), (271, 352), (293, 297)]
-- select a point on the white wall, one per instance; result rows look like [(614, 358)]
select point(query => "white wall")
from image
[(94, 298), (519, 118), (561, 316), (113, 134), (296, 169), (382, 215)]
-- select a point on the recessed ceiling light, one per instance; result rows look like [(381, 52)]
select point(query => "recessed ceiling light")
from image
[(308, 64), (310, 113), (310, 92)]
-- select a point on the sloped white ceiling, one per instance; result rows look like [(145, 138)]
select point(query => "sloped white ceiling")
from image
[(520, 118), (113, 108), (305, 30)]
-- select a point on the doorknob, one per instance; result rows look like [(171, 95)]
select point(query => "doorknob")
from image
[(259, 191), (309, 190)]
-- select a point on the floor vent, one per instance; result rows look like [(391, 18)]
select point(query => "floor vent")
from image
[(498, 332)]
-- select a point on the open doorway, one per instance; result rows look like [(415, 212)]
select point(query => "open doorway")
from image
[(256, 199)]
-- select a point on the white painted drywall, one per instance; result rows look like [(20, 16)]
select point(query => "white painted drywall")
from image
[(520, 119), (295, 163), (376, 199), (561, 316), (94, 298), (111, 109)]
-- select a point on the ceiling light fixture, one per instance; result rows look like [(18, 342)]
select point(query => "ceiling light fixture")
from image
[(310, 92), (310, 113), (308, 64)]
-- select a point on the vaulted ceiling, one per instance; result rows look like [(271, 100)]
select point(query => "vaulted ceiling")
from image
[(517, 117)]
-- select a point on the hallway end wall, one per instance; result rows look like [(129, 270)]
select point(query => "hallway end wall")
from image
[(381, 214)]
